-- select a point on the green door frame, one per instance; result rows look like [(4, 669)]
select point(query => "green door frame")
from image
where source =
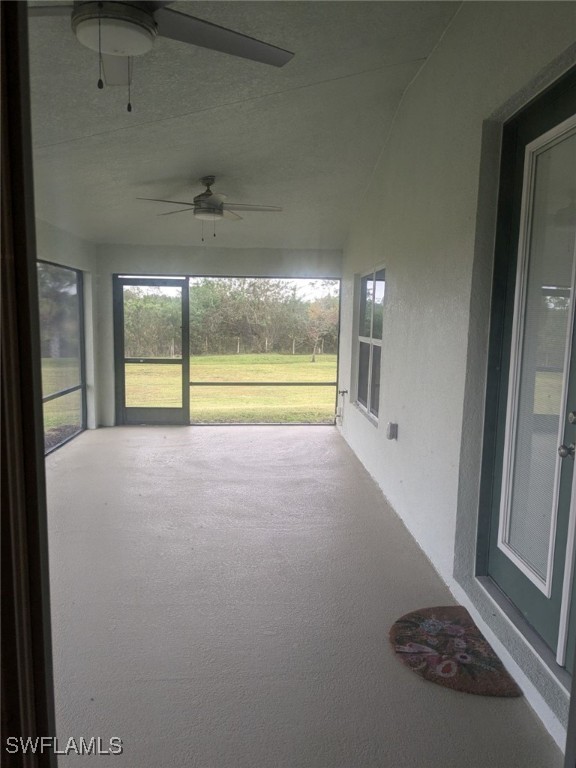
[(551, 108), (27, 683)]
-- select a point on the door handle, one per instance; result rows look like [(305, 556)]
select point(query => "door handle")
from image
[(567, 450)]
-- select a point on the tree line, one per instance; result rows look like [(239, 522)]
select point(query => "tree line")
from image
[(232, 316), (59, 311)]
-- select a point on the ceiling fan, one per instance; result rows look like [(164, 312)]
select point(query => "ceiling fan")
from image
[(120, 29), (209, 206)]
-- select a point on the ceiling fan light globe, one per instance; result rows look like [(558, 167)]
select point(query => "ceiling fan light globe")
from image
[(116, 37), (206, 214)]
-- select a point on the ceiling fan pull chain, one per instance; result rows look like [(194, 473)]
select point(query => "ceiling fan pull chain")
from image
[(202, 231), (214, 227), (129, 61), (100, 81)]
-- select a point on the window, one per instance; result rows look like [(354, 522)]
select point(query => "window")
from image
[(62, 349), (370, 322)]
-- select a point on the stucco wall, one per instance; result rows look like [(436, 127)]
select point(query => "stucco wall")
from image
[(211, 260), (60, 247), (418, 220)]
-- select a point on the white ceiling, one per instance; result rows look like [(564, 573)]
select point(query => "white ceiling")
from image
[(304, 137)]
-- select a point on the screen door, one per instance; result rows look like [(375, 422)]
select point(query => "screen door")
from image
[(151, 346)]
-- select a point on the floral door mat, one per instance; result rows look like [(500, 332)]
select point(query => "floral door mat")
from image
[(444, 645)]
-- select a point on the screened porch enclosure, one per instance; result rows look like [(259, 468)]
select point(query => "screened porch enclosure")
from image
[(61, 310), (205, 350)]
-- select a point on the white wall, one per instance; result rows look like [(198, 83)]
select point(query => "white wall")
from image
[(213, 261), (418, 220), (60, 247), (200, 261)]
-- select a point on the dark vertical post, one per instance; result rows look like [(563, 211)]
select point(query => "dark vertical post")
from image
[(118, 323), (186, 351), (82, 329), (27, 684)]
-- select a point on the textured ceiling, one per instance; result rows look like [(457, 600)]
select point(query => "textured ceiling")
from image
[(304, 137)]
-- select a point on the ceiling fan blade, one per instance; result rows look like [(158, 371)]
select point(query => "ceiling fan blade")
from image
[(189, 29), (117, 70), (180, 210), (242, 207), (231, 216), (50, 9), (159, 200), (63, 8)]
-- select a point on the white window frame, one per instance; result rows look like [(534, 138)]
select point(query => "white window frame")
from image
[(371, 341)]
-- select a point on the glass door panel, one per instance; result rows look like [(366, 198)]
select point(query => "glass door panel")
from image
[(540, 371), (529, 554)]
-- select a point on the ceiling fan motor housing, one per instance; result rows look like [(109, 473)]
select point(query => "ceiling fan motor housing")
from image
[(205, 208), (207, 211), (114, 28)]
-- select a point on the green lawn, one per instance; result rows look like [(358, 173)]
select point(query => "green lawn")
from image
[(159, 385), (153, 385), (149, 385), (248, 405), (59, 373), (262, 404), (262, 368), (62, 416)]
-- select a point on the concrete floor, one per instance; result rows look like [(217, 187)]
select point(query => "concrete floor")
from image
[(221, 598)]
